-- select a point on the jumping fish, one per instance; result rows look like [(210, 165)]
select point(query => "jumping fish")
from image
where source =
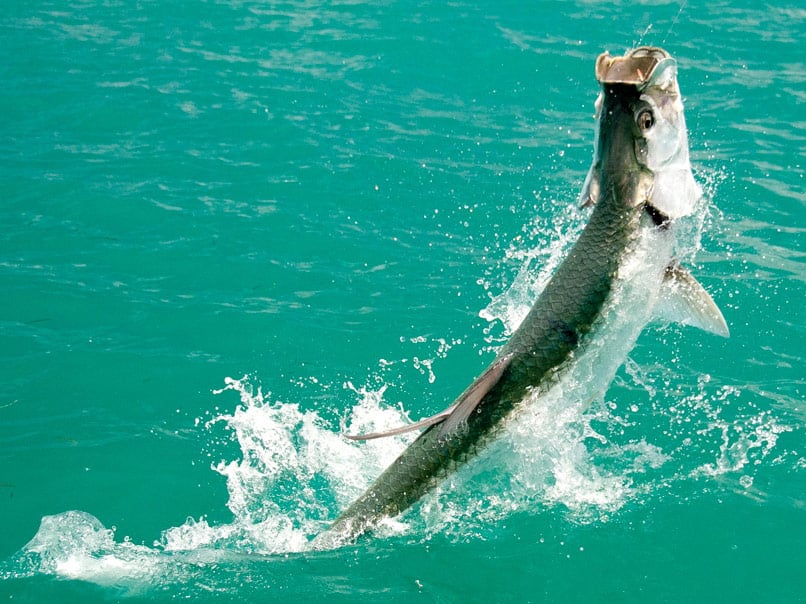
[(620, 274)]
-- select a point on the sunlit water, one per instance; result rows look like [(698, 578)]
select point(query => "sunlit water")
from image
[(234, 231)]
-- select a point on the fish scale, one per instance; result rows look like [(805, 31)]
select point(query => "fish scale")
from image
[(538, 345), (623, 258)]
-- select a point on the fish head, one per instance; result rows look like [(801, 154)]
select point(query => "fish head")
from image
[(641, 138)]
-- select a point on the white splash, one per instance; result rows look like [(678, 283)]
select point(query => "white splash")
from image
[(294, 472), (535, 266), (75, 545)]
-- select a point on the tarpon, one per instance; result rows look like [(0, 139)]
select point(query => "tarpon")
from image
[(620, 274)]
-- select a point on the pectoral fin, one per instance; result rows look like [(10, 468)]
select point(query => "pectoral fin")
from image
[(685, 301), (590, 188)]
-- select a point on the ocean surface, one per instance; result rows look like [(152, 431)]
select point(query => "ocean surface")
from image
[(233, 230)]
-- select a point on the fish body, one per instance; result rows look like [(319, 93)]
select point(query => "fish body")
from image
[(620, 273)]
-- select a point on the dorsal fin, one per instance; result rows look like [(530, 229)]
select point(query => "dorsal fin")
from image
[(456, 414), (423, 423), (474, 394)]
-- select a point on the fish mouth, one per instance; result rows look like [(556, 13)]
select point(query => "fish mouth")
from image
[(634, 68)]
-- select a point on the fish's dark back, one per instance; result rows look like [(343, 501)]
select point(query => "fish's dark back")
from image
[(557, 325)]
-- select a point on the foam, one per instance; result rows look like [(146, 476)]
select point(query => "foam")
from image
[(294, 472), (574, 450), (76, 545)]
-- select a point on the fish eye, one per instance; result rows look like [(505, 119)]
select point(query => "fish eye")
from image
[(645, 120)]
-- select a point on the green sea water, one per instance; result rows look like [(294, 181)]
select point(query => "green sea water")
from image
[(232, 230)]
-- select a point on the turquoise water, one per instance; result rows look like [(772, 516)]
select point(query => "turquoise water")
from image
[(233, 229)]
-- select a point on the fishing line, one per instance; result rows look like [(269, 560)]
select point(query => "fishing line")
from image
[(641, 39), (674, 21)]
